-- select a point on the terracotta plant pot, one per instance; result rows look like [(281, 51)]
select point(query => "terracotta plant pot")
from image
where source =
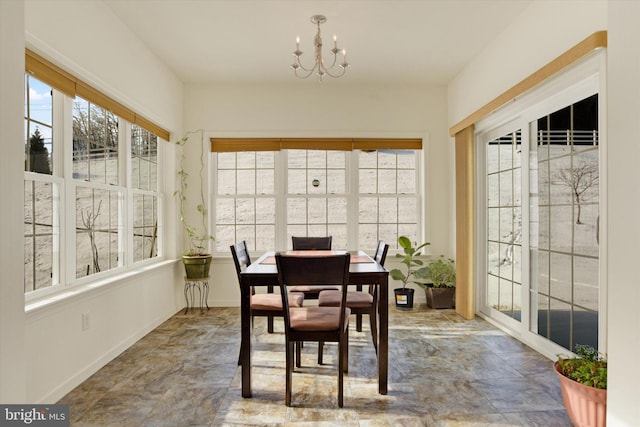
[(586, 406), (440, 297)]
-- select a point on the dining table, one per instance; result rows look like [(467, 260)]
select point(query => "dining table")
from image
[(363, 270)]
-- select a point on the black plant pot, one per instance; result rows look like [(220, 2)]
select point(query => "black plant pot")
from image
[(404, 298)]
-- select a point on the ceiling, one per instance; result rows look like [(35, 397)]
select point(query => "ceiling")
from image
[(248, 41)]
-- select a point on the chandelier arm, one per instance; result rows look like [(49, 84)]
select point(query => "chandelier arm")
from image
[(344, 70), (309, 72), (299, 63)]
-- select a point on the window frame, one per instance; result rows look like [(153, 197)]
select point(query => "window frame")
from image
[(64, 214), (352, 195)]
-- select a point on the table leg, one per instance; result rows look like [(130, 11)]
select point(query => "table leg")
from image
[(245, 344), (383, 335)]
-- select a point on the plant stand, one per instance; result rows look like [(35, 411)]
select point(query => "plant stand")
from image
[(440, 297), (586, 406), (404, 298), (190, 285)]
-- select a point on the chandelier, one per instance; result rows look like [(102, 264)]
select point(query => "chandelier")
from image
[(319, 67)]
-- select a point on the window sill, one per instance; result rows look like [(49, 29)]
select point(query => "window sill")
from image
[(69, 293)]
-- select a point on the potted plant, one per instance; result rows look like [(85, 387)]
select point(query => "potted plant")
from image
[(441, 291), (583, 382), (415, 272), (196, 259)]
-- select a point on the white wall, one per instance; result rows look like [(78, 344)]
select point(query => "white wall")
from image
[(623, 81), (12, 364), (544, 31), (305, 108), (44, 353)]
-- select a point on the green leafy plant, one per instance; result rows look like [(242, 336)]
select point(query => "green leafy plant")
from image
[(588, 368), (441, 272), (415, 269), (197, 238)]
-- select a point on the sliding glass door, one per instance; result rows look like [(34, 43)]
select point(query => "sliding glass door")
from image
[(539, 215)]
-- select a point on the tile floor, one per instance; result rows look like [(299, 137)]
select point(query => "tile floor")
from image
[(444, 371)]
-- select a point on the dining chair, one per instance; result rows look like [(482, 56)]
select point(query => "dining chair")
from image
[(269, 304), (321, 324), (303, 243), (359, 302)]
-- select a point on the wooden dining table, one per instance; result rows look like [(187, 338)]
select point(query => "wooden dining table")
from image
[(363, 270)]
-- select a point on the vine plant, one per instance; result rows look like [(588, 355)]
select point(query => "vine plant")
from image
[(197, 238)]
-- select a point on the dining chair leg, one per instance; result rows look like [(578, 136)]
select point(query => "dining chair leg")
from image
[(320, 350), (289, 372), (345, 351), (341, 370), (298, 354), (270, 324)]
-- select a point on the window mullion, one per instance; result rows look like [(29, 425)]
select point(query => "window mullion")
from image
[(125, 210), (353, 238)]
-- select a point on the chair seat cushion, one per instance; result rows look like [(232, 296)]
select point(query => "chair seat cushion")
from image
[(316, 318), (354, 299), (274, 301), (312, 288)]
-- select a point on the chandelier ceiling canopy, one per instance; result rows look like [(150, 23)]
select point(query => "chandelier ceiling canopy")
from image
[(320, 68)]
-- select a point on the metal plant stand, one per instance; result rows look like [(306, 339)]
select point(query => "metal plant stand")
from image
[(190, 285)]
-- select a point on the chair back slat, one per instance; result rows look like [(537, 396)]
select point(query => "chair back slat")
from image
[(381, 252), (311, 243)]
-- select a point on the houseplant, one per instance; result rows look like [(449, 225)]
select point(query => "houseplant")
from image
[(441, 290), (415, 272), (583, 381), (196, 259)]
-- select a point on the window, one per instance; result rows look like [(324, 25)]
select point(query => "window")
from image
[(41, 188), (388, 196), (98, 193), (144, 187), (316, 194), (246, 201), (92, 201)]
